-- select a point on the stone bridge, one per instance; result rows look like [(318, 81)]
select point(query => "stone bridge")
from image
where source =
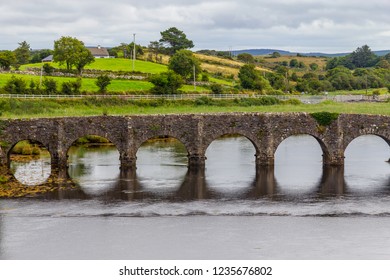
[(196, 131)]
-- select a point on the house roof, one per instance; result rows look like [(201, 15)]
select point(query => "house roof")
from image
[(48, 58), (98, 51)]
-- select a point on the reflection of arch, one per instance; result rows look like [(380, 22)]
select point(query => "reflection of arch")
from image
[(209, 141), (324, 148)]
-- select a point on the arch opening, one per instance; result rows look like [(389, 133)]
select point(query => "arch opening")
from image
[(93, 164), (161, 165), (298, 164), (30, 162), (367, 167), (230, 165)]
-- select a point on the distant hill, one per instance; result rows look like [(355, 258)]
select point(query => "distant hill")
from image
[(283, 52)]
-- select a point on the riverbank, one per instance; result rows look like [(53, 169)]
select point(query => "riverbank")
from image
[(23, 108)]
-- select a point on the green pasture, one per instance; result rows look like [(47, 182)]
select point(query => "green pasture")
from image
[(112, 64), (88, 85)]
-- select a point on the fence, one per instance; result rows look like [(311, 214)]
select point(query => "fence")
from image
[(308, 99)]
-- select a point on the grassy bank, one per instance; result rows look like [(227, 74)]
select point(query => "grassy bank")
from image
[(14, 108)]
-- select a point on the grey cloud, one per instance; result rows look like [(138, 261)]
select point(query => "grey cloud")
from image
[(302, 25)]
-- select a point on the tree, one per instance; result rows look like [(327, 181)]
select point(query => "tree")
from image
[(7, 58), (72, 52), (275, 55), (174, 40), (183, 63), (83, 58), (363, 57), (155, 48), (294, 63), (22, 53), (166, 83), (250, 78), (246, 58), (103, 82)]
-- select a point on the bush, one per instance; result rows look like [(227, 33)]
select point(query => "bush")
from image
[(216, 89), (103, 82), (325, 118), (50, 86), (16, 85), (47, 69), (71, 87), (166, 83)]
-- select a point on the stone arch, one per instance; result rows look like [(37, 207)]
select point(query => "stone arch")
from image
[(35, 177), (324, 147), (348, 139), (207, 142), (74, 138), (7, 152), (146, 137)]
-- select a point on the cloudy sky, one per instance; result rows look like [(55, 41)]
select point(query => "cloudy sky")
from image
[(295, 25)]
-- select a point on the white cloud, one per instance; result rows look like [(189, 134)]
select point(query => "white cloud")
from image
[(298, 25)]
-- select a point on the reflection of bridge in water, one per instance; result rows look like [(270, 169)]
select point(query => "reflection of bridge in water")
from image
[(195, 186), (196, 132)]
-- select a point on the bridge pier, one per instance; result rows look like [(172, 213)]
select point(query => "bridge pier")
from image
[(196, 161), (335, 159), (263, 159)]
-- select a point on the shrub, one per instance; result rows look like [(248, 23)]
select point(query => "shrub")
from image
[(166, 83), (50, 86), (47, 69), (103, 82), (325, 118), (16, 85), (216, 89), (71, 87)]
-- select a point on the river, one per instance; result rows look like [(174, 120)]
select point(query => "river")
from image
[(296, 210)]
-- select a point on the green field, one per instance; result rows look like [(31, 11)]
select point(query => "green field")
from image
[(88, 85), (113, 64)]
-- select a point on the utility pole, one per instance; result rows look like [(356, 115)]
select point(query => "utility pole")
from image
[(194, 78), (133, 52)]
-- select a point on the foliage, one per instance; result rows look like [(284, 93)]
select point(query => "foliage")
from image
[(246, 58), (174, 40), (250, 78), (7, 58), (103, 82), (325, 118), (362, 57), (71, 87), (47, 68), (72, 52), (183, 63), (166, 83), (155, 48), (22, 53), (216, 89), (16, 85), (49, 86)]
